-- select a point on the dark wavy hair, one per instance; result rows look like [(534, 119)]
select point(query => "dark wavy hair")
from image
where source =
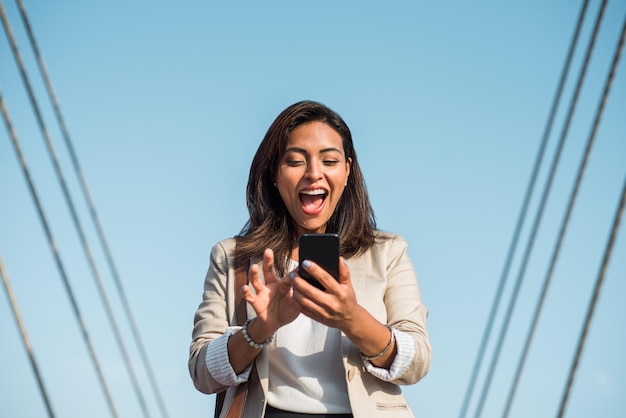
[(270, 225)]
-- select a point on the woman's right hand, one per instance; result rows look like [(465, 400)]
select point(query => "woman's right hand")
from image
[(274, 305), (273, 300)]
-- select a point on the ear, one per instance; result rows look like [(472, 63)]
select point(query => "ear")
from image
[(348, 165)]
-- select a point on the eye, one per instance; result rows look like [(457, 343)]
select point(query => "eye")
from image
[(294, 163), (330, 162)]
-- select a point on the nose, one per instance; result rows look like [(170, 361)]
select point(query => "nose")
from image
[(314, 169)]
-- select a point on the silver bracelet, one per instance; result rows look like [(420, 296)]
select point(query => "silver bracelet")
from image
[(250, 341), (382, 353)]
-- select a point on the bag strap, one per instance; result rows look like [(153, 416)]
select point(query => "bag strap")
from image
[(235, 409), (241, 279)]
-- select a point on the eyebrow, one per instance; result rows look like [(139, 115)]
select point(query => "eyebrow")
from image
[(303, 151)]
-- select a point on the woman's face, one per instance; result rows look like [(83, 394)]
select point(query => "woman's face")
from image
[(312, 175)]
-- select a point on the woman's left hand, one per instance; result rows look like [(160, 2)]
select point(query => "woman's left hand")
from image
[(337, 306)]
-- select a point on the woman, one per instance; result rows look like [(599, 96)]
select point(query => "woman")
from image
[(338, 352)]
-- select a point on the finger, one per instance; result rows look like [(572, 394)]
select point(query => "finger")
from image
[(344, 271), (255, 278), (318, 303), (306, 289), (322, 276), (247, 294), (292, 275), (310, 307), (268, 266), (314, 311)]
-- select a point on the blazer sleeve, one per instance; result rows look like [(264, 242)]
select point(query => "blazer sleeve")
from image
[(212, 317), (405, 309)]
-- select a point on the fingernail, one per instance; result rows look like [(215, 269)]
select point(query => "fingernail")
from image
[(306, 263), (292, 275), (345, 263)]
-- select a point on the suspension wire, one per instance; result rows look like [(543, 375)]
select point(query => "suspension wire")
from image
[(92, 210), (539, 215), (522, 216), (73, 212), (564, 224), (27, 345), (593, 302), (53, 248), (607, 251)]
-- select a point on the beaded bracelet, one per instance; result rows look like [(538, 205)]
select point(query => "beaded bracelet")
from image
[(382, 353), (250, 341)]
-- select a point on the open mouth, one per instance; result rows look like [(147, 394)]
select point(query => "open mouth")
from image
[(312, 200)]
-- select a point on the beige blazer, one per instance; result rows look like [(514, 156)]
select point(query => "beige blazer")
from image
[(385, 284)]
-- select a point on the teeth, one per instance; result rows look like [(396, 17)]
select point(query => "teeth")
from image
[(314, 192)]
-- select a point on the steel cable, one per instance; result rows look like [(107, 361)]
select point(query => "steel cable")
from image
[(55, 252), (564, 224), (522, 216), (27, 345), (607, 251), (539, 215), (592, 303), (72, 209), (92, 210)]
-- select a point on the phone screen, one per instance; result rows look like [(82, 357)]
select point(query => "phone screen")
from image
[(322, 249)]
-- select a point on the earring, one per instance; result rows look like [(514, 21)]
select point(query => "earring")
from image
[(275, 184)]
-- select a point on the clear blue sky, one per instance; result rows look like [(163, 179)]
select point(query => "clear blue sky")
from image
[(166, 103)]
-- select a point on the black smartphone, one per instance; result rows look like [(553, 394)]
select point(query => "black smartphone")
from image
[(322, 249)]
